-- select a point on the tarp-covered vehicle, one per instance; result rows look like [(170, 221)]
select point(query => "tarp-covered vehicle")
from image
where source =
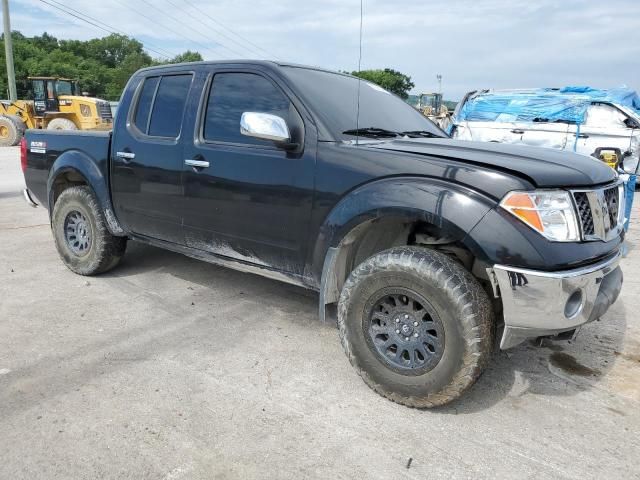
[(601, 123)]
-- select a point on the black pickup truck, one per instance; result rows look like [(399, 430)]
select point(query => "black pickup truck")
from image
[(424, 247)]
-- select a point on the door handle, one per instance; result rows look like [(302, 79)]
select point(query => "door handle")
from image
[(126, 156), (582, 135), (196, 163), (517, 131)]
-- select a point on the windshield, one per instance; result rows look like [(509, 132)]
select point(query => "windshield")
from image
[(429, 100), (334, 98), (65, 87)]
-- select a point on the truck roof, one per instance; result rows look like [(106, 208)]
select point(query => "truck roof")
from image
[(268, 63)]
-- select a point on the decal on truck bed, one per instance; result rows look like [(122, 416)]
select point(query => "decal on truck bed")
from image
[(38, 147)]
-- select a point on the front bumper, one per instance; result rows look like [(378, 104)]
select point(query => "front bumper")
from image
[(539, 303)]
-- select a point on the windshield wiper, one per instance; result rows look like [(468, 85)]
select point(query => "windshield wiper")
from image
[(371, 132), (419, 134)]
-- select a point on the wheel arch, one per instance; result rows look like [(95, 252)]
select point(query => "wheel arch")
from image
[(393, 212), (77, 168)]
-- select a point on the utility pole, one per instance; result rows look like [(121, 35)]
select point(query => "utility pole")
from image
[(439, 78), (8, 52)]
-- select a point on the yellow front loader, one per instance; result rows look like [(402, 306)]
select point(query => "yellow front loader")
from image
[(55, 104), (432, 106)]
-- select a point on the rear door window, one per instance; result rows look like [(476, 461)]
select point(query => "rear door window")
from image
[(161, 105), (168, 107)]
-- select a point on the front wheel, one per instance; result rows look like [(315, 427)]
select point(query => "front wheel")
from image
[(80, 231), (9, 132), (416, 326)]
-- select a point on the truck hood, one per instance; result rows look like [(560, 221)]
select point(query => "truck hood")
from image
[(541, 166)]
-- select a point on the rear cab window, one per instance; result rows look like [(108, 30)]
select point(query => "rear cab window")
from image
[(161, 105)]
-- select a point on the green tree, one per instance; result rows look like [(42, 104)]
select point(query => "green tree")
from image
[(389, 79), (101, 65), (187, 56)]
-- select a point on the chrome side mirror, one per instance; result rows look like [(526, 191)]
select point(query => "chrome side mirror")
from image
[(264, 126)]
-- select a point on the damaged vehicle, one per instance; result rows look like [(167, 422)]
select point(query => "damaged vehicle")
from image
[(604, 124), (426, 249)]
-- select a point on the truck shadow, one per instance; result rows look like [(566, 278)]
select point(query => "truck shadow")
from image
[(552, 369), (549, 368)]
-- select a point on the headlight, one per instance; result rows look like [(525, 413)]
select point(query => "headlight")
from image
[(550, 213), (85, 110)]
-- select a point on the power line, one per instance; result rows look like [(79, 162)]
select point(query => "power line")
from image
[(253, 51), (95, 24), (235, 52), (168, 54), (155, 22), (229, 30)]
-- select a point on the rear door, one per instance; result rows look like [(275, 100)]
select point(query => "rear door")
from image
[(250, 199), (535, 134), (541, 134), (147, 158)]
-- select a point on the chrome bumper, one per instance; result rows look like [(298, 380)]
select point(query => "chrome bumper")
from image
[(28, 199), (548, 303)]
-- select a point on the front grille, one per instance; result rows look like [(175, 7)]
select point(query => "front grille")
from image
[(584, 212), (598, 211), (611, 197), (104, 110)]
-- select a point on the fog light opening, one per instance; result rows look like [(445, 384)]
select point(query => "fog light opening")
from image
[(573, 306)]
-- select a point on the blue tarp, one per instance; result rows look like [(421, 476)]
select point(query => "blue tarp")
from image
[(567, 104)]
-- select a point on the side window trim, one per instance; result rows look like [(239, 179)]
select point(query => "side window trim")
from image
[(133, 128), (153, 102), (203, 106)]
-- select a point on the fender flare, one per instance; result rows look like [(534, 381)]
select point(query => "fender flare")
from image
[(452, 208), (86, 167)]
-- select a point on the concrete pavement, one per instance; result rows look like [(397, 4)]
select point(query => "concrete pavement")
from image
[(171, 368)]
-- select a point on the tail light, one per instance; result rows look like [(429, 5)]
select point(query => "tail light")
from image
[(23, 154)]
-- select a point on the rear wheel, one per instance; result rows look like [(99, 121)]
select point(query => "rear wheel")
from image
[(416, 326), (83, 241), (61, 124), (9, 132)]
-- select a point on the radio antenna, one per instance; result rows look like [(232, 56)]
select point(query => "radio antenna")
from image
[(359, 79)]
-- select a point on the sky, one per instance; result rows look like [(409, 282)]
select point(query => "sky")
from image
[(471, 43)]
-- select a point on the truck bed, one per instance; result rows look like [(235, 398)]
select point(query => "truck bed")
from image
[(45, 146)]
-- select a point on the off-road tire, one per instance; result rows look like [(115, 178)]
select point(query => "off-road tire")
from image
[(455, 295), (9, 132), (105, 250), (61, 124), (20, 125)]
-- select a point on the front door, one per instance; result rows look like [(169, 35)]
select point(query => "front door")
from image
[(52, 97), (604, 127), (247, 198), (147, 158), (39, 92)]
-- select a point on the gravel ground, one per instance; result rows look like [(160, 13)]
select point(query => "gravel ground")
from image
[(172, 368)]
